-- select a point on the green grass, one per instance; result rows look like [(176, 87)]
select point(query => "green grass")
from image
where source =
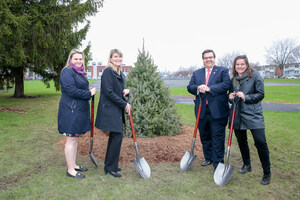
[(33, 165), (180, 91), (285, 81), (282, 94)]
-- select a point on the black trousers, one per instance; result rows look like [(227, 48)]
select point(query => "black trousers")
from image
[(113, 151), (261, 146), (212, 136)]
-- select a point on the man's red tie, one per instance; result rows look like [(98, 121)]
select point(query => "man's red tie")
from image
[(206, 80)]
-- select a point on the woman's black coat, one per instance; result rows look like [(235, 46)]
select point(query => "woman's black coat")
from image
[(110, 114), (249, 114), (74, 107)]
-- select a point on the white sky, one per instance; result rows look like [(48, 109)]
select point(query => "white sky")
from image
[(176, 31)]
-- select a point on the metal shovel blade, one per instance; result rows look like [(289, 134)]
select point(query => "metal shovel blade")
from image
[(143, 168), (222, 174), (93, 158), (187, 161)]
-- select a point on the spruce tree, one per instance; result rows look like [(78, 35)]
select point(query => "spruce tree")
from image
[(153, 109), (38, 35)]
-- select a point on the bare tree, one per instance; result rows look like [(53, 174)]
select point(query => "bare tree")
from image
[(228, 58), (282, 52)]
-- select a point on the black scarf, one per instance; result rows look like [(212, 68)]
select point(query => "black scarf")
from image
[(238, 80)]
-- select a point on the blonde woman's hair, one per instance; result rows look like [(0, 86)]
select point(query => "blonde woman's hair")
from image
[(110, 64), (74, 51)]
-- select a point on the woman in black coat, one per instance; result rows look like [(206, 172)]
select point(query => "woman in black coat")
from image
[(74, 110), (248, 85), (110, 114)]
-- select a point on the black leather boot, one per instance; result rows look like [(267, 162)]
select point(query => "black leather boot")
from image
[(266, 179), (245, 169)]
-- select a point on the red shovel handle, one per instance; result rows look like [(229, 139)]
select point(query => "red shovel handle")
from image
[(198, 117), (231, 127), (132, 127), (92, 117), (232, 121)]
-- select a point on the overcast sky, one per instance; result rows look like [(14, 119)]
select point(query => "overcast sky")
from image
[(176, 31)]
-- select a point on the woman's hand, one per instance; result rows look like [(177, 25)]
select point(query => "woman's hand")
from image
[(125, 92), (240, 94), (93, 91), (231, 96), (127, 108)]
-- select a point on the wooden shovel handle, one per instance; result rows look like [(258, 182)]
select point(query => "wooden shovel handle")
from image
[(132, 127)]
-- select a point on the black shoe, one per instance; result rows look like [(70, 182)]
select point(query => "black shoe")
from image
[(119, 169), (245, 168), (78, 175), (266, 179), (114, 174), (205, 163), (81, 169)]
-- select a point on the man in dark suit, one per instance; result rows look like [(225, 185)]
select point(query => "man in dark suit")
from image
[(212, 82)]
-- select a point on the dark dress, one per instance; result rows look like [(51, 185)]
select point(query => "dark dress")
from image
[(110, 115), (74, 109)]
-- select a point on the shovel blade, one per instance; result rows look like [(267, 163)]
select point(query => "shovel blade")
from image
[(143, 168), (222, 174), (93, 158), (187, 161)]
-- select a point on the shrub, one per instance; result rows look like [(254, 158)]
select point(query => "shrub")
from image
[(153, 109)]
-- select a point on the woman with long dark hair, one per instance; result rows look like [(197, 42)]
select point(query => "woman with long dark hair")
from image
[(248, 85)]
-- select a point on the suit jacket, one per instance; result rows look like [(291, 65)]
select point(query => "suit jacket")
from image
[(219, 84)]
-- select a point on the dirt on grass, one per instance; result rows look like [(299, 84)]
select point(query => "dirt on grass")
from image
[(18, 110), (155, 150)]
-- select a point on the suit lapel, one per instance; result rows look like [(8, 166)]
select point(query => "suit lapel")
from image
[(202, 76), (212, 74)]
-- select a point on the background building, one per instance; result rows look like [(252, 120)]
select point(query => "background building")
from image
[(95, 70)]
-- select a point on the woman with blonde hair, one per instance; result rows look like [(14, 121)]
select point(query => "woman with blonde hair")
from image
[(74, 109), (111, 107)]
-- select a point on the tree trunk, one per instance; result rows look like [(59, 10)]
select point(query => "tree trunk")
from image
[(19, 83)]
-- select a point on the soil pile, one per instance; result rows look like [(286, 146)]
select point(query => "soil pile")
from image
[(155, 150)]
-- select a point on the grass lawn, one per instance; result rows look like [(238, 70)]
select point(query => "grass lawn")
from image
[(33, 166)]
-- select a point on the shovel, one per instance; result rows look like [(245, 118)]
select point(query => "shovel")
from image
[(224, 171), (140, 163), (93, 158), (189, 157)]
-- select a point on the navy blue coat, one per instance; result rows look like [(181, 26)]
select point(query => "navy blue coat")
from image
[(110, 114), (74, 107), (219, 84)]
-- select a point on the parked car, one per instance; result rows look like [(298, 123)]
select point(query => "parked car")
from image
[(291, 77)]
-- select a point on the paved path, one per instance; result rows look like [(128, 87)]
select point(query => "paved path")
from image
[(284, 107), (184, 83)]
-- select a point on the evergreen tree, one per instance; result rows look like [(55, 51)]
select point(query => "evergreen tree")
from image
[(38, 35), (153, 109)]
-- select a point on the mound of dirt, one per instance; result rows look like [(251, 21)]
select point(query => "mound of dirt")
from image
[(155, 150)]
